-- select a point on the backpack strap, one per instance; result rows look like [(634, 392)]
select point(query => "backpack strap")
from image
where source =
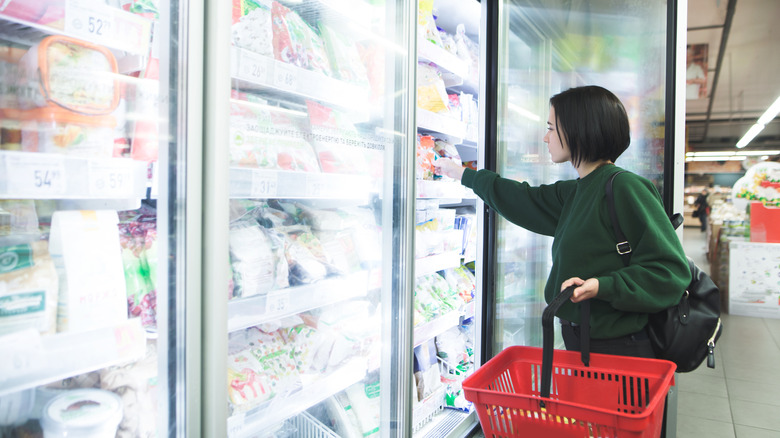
[(623, 247)]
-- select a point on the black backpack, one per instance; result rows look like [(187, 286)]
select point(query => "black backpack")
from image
[(686, 333)]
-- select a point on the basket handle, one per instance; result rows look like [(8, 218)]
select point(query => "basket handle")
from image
[(548, 334)]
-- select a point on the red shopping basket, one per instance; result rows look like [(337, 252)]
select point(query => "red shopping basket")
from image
[(586, 395)]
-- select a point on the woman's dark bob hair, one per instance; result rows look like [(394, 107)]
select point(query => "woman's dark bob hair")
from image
[(593, 123)]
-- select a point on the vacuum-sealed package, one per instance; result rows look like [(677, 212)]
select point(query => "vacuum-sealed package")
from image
[(70, 73)]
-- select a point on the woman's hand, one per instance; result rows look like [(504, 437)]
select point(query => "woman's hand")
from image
[(586, 289), (449, 167)]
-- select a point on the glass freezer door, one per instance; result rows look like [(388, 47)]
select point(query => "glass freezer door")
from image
[(89, 327), (545, 48), (310, 126)]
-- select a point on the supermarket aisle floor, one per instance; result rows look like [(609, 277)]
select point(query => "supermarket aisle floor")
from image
[(740, 398)]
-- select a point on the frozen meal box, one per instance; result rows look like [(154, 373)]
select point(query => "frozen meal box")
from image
[(71, 73), (87, 413), (28, 289), (57, 130)]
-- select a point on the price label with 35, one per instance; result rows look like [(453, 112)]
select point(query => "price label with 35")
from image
[(35, 176)]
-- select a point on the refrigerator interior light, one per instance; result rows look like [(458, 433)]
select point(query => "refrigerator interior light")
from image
[(717, 158), (264, 106), (731, 153)]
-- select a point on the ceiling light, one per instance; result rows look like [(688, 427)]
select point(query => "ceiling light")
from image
[(716, 158), (770, 113), (762, 121), (750, 135), (757, 153)]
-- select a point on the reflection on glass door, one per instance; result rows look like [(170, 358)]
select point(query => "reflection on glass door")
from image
[(83, 284), (544, 49), (314, 130)]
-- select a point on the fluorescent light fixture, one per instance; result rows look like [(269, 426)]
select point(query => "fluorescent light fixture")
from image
[(266, 107), (731, 153), (716, 158), (770, 113), (750, 135), (765, 118)]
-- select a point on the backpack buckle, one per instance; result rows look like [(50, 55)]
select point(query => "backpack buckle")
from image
[(623, 248)]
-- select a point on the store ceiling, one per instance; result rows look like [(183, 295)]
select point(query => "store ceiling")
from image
[(743, 75)]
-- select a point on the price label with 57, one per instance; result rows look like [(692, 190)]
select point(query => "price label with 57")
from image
[(35, 176), (110, 180)]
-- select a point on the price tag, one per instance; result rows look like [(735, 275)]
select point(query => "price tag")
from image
[(285, 76), (89, 20), (35, 176), (110, 179), (253, 67), (315, 186), (277, 303), (264, 184)]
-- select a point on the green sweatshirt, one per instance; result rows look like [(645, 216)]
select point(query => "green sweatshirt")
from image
[(575, 213)]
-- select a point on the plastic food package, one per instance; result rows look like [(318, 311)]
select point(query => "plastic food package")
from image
[(57, 130), (426, 370), (138, 239), (305, 256), (431, 91), (364, 398), (87, 412), (345, 60), (313, 47), (74, 74), (261, 136), (289, 41), (28, 298), (258, 261), (336, 140), (252, 28), (426, 23), (425, 157)]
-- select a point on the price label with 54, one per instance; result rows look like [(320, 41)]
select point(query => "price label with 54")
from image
[(35, 176)]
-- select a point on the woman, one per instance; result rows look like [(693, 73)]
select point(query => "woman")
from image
[(588, 127)]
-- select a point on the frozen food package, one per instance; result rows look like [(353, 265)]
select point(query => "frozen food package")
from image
[(426, 370), (258, 261), (373, 56), (431, 91), (337, 141), (70, 73), (425, 157), (252, 29), (28, 289), (306, 258), (313, 46), (267, 137), (364, 399), (341, 251), (426, 24), (248, 385), (58, 130), (345, 60), (289, 40)]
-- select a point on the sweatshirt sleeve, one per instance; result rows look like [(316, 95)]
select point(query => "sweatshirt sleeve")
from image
[(536, 209), (658, 272)]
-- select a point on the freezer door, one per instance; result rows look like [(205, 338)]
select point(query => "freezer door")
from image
[(544, 48), (93, 190), (307, 163)]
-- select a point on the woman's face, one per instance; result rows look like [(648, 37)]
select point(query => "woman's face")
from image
[(559, 150)]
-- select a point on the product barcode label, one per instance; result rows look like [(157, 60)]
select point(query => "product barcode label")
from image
[(35, 176)]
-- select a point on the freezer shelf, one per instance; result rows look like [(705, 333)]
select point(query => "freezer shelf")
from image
[(431, 329), (435, 263), (427, 51), (314, 391), (31, 360), (251, 311), (248, 183), (83, 19), (259, 72), (30, 175), (454, 129)]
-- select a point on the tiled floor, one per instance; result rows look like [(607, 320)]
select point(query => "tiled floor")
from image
[(740, 398)]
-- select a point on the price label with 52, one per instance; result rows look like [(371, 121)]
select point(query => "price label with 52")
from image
[(89, 20)]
